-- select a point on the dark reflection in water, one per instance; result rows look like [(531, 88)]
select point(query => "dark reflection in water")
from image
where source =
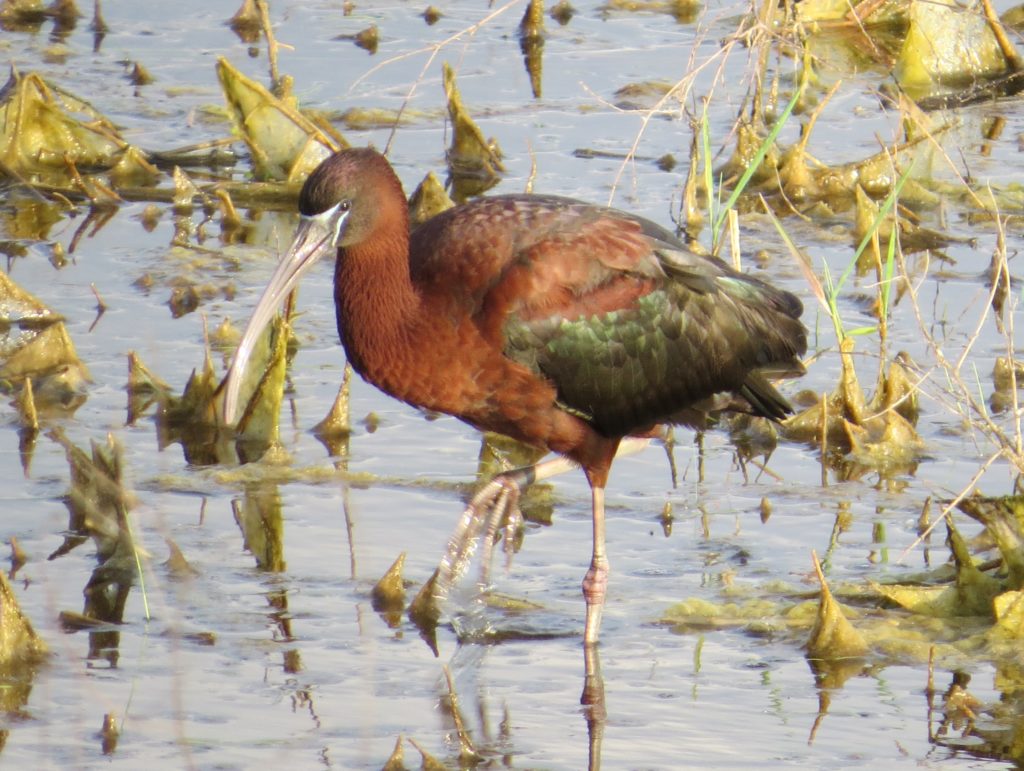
[(98, 506), (258, 515)]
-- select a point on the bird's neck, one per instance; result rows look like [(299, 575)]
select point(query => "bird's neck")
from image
[(376, 301)]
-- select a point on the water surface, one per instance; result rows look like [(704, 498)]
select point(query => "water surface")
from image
[(241, 667)]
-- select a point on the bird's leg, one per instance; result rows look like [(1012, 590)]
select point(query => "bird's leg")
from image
[(595, 581), (501, 496), (488, 507)]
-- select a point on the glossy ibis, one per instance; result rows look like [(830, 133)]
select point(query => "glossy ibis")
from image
[(564, 325)]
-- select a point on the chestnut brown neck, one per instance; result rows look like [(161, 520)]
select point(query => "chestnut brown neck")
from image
[(374, 295)]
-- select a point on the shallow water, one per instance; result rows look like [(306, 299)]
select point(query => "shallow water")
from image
[(240, 667)]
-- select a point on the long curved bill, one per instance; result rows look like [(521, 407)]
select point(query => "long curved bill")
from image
[(314, 238)]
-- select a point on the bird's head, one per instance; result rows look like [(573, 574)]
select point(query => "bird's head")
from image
[(339, 207), (341, 200)]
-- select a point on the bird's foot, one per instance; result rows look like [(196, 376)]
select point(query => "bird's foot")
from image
[(495, 504), (503, 514)]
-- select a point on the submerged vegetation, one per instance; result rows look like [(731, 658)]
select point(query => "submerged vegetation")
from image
[(885, 216)]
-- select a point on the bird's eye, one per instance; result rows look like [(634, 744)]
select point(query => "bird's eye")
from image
[(339, 218)]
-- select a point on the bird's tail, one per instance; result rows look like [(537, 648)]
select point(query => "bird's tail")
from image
[(763, 398)]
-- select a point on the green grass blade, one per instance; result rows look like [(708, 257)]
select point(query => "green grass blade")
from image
[(890, 264)]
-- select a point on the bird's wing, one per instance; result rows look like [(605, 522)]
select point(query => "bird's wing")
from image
[(533, 255), (630, 326)]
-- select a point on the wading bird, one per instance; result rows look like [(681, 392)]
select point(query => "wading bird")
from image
[(561, 324)]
